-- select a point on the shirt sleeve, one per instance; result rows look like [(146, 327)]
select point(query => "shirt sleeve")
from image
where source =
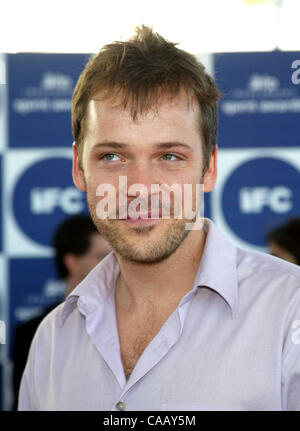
[(26, 399), (291, 360)]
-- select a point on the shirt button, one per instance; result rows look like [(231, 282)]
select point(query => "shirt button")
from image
[(121, 406)]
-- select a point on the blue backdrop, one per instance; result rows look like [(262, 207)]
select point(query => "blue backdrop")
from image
[(258, 170)]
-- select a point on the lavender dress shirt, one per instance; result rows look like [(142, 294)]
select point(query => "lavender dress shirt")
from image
[(233, 343)]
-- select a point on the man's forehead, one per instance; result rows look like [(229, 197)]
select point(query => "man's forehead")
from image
[(105, 104)]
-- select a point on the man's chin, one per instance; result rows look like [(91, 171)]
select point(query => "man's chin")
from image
[(142, 247), (139, 257), (143, 243)]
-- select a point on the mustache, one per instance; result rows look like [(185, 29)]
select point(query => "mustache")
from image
[(145, 209)]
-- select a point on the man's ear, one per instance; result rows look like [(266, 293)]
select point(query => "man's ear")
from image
[(210, 175), (77, 173)]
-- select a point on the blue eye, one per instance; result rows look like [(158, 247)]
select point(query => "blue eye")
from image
[(169, 156), (109, 156)]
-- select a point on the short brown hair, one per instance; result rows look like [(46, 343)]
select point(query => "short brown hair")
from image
[(140, 70)]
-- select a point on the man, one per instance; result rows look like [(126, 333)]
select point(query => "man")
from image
[(173, 318), (284, 241), (78, 247)]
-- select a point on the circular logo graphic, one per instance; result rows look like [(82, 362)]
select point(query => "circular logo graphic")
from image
[(258, 195), (44, 196)]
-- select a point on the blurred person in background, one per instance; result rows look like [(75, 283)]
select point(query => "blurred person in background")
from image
[(78, 248), (284, 241)]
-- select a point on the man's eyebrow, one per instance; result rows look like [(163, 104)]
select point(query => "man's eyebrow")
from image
[(121, 145), (166, 145), (111, 144)]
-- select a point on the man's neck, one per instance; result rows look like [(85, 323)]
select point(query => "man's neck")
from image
[(164, 282), (71, 282)]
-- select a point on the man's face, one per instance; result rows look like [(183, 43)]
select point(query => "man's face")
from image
[(163, 147)]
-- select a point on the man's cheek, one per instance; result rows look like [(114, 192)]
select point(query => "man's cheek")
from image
[(106, 204), (193, 196)]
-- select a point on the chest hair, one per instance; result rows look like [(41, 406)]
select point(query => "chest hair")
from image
[(135, 333)]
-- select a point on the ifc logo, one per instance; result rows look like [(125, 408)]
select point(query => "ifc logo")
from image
[(44, 196), (260, 193)]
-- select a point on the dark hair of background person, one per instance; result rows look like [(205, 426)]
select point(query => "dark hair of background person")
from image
[(287, 236), (140, 71), (72, 236)]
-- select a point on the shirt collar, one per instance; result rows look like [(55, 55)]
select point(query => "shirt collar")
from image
[(218, 266), (95, 288), (217, 271)]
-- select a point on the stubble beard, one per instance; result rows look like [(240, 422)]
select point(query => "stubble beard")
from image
[(152, 251)]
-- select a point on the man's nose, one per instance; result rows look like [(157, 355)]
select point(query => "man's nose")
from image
[(142, 173)]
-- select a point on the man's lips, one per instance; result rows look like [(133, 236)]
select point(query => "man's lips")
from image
[(144, 218)]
